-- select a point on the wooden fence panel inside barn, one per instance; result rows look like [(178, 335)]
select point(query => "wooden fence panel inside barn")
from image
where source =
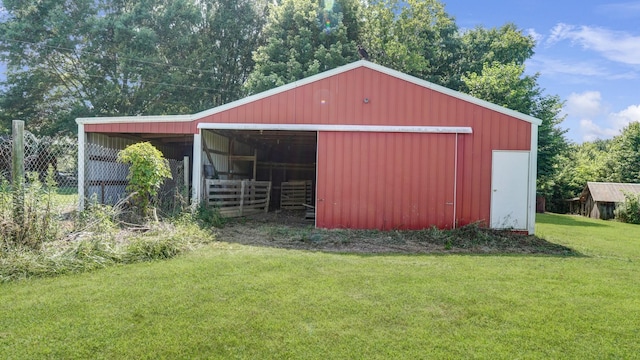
[(238, 197), (294, 194)]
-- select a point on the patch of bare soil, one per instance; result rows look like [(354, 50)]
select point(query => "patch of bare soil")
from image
[(289, 230)]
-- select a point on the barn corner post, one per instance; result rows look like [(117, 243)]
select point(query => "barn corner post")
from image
[(17, 167), (533, 176), (197, 169), (81, 164)]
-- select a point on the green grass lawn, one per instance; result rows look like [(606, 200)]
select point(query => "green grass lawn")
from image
[(233, 301)]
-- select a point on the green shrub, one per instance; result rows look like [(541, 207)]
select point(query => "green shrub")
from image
[(629, 210), (148, 170)]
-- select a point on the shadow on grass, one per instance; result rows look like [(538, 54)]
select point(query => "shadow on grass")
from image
[(571, 220)]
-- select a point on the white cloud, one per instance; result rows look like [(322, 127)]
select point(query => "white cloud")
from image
[(560, 32), (617, 46), (535, 35), (585, 105), (621, 119), (596, 121), (612, 125), (549, 66), (591, 131)]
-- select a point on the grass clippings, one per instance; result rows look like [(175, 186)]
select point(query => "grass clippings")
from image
[(289, 231)]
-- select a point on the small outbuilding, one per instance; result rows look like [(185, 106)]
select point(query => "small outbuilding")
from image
[(367, 146), (598, 200)]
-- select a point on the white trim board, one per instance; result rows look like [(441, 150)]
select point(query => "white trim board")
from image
[(349, 128), (533, 175), (135, 119), (308, 80)]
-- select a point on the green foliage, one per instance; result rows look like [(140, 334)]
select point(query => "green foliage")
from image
[(148, 170), (629, 210), (504, 45), (303, 39), (625, 155), (505, 85), (416, 37), (615, 160), (572, 170), (123, 57)]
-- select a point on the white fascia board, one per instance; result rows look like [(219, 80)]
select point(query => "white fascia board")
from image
[(196, 185), (349, 128), (533, 175), (135, 119)]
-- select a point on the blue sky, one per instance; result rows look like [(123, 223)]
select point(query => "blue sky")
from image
[(588, 53)]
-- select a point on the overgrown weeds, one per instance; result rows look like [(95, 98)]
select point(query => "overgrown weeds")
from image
[(28, 214), (89, 250), (46, 242)]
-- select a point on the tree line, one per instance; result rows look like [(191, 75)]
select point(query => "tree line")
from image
[(82, 58)]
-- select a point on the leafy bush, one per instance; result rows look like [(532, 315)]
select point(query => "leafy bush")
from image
[(148, 170), (629, 210)]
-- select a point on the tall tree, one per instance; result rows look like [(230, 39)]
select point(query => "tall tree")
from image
[(625, 155), (414, 36), (123, 57), (303, 38), (503, 45)]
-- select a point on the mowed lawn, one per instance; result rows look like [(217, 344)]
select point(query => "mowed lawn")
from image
[(232, 301)]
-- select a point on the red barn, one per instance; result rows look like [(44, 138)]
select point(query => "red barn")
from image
[(384, 150)]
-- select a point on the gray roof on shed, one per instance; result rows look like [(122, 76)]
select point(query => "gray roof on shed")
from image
[(609, 192)]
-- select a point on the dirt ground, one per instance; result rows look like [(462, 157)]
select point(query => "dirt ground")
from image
[(290, 230)]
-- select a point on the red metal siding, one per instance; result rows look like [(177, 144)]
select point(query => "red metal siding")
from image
[(385, 180), (375, 180), (391, 101)]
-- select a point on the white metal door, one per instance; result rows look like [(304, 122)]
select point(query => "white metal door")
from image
[(509, 189)]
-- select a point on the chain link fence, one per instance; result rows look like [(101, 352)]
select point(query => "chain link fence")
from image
[(41, 155), (106, 179)]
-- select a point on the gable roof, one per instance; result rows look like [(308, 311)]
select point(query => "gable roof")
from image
[(311, 79), (609, 192)]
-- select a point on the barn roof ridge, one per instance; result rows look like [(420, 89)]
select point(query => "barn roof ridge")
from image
[(309, 80)]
